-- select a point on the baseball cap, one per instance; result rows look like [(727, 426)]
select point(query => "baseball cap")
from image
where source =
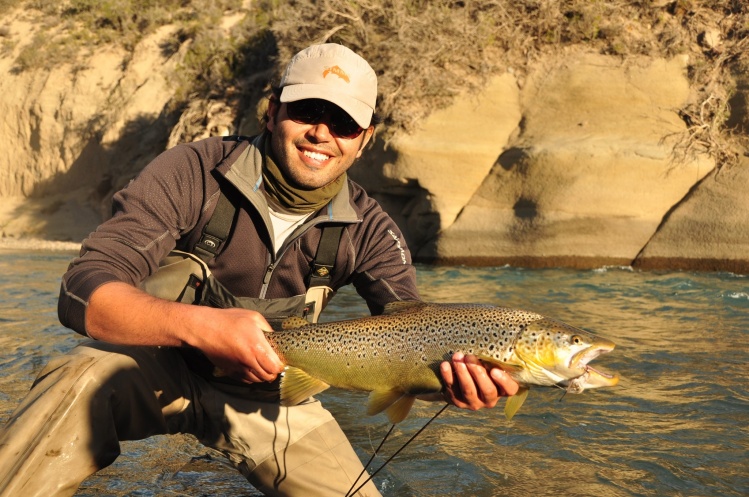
[(334, 73)]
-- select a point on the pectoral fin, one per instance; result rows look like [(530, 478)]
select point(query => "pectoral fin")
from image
[(514, 403), (395, 403), (297, 385)]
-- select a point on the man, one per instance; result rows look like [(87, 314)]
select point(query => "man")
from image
[(153, 365)]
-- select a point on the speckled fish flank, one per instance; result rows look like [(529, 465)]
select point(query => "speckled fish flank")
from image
[(396, 356)]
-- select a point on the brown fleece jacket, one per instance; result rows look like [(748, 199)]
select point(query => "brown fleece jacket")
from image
[(171, 200)]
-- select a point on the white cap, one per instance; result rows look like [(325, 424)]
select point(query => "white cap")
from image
[(334, 73)]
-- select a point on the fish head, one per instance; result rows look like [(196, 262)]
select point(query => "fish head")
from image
[(554, 353)]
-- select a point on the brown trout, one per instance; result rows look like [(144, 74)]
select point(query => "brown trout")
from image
[(396, 356)]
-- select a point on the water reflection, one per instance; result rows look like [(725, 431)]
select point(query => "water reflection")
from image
[(675, 425)]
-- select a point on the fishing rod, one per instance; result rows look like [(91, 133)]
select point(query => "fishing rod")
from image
[(350, 492)]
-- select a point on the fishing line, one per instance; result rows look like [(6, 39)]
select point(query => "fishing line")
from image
[(392, 427), (564, 391), (350, 493)]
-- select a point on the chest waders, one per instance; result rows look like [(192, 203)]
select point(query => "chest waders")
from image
[(185, 277)]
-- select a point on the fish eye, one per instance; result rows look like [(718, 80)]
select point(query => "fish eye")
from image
[(576, 340)]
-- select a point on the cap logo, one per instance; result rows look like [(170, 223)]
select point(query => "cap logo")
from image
[(338, 72)]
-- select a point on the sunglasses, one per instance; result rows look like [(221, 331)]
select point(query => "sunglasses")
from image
[(316, 111)]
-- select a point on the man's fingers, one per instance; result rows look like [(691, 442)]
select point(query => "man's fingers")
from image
[(486, 389), (267, 361), (256, 377), (460, 388), (452, 389), (466, 382), (447, 374), (470, 384), (505, 382), (263, 368)]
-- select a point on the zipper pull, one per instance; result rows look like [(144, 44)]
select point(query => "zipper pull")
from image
[(268, 273)]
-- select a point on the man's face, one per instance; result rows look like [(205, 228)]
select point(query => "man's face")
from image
[(310, 155)]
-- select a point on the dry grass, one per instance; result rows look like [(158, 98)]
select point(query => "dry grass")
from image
[(428, 51), (712, 76), (425, 51)]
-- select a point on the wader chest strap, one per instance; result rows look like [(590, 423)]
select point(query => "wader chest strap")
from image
[(322, 266), (216, 230)]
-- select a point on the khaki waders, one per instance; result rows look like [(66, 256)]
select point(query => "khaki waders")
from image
[(83, 403)]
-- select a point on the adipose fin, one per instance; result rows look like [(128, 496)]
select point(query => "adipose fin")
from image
[(294, 322)]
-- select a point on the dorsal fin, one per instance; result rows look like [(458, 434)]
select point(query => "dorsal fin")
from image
[(403, 306)]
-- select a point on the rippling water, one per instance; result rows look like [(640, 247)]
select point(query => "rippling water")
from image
[(677, 424)]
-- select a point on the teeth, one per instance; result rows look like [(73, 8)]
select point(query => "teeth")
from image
[(316, 156)]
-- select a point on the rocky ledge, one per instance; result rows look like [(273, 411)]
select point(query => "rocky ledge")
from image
[(579, 162)]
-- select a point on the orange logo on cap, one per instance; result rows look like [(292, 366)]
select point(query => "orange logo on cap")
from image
[(337, 71)]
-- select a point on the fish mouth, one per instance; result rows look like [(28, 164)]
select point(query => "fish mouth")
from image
[(582, 358), (595, 378), (591, 377)]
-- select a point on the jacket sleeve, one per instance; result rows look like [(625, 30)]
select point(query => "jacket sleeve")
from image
[(384, 271), (149, 215)]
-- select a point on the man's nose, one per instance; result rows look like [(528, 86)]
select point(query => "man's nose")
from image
[(321, 130)]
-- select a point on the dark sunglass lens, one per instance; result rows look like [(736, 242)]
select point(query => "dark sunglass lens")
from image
[(344, 125), (305, 111), (315, 111)]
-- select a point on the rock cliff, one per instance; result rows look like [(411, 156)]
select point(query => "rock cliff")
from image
[(574, 166), (75, 133), (572, 162)]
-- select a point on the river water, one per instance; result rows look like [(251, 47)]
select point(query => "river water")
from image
[(676, 425)]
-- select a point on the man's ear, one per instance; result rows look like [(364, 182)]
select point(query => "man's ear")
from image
[(367, 136), (271, 112)]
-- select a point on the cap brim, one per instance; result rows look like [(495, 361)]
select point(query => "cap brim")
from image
[(358, 110)]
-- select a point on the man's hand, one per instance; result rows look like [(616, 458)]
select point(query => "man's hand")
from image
[(239, 348), (469, 385), (232, 339)]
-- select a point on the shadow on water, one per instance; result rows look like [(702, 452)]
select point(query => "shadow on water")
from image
[(676, 424)]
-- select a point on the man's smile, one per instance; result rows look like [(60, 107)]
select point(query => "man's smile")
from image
[(316, 155)]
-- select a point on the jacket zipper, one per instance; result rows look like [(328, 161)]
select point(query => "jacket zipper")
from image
[(273, 262), (266, 279)]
